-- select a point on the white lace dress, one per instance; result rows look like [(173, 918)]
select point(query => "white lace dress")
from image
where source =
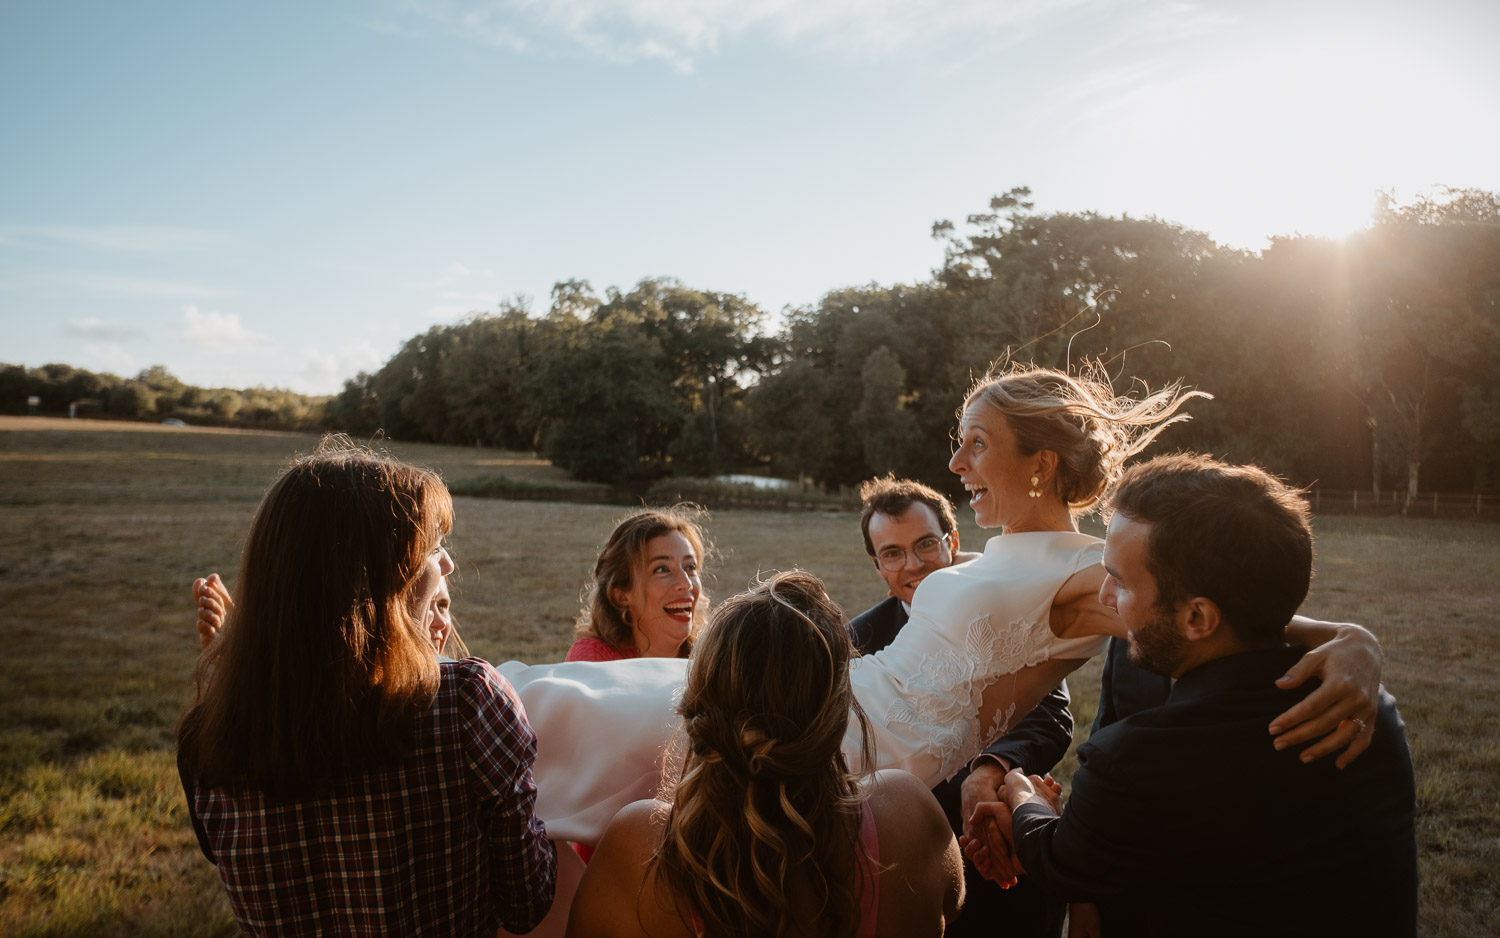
[(604, 727)]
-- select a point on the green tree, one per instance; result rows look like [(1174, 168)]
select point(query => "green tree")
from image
[(885, 426)]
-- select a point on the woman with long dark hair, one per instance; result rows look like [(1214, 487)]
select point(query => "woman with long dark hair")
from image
[(340, 777)]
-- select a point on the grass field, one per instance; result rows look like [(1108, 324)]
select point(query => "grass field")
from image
[(103, 526)]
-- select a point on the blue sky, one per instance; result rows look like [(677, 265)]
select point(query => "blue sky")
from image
[(282, 193)]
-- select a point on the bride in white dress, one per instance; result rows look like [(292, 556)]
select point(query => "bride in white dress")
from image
[(987, 639)]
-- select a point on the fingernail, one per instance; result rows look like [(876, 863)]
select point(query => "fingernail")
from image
[(1276, 728), (1306, 757)]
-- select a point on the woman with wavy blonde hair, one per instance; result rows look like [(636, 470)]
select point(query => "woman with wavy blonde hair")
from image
[(768, 833)]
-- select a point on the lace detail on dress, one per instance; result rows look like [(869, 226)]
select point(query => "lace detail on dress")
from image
[(942, 699), (1000, 725)]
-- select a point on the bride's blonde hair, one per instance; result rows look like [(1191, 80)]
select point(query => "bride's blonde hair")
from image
[(1079, 417), (764, 822)]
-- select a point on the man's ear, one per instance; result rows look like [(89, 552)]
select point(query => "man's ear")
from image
[(1199, 618), (953, 547)]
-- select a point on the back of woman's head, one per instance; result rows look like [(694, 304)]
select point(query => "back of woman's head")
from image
[(1079, 417), (622, 559), (765, 818), (323, 659)]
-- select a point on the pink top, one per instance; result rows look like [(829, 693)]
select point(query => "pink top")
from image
[(591, 648)]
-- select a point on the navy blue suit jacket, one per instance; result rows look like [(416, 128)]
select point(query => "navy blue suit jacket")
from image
[(1124, 689), (1188, 813)]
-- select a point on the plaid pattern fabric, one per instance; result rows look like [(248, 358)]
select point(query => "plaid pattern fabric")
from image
[(443, 843)]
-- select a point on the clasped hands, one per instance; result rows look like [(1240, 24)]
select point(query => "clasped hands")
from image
[(990, 794)]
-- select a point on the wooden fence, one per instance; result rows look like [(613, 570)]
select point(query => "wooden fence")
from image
[(1484, 505)]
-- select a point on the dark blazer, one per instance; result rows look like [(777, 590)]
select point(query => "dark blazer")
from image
[(877, 626), (1124, 689), (1188, 811), (1037, 743)]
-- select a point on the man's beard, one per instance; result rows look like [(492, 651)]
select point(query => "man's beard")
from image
[(1158, 645)]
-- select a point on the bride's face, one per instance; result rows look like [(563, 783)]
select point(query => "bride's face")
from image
[(992, 468)]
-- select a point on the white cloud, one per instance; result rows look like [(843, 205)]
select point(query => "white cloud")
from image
[(95, 328), (111, 358), (138, 239), (324, 372), (215, 331), (678, 32)]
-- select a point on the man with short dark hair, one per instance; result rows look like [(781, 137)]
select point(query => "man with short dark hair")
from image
[(910, 530), (1186, 809)]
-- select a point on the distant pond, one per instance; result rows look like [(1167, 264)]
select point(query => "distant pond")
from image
[(760, 482)]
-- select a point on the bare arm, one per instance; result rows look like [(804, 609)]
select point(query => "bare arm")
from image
[(1077, 611), (1342, 710), (613, 895), (921, 878)]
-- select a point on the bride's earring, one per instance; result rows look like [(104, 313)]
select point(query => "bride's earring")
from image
[(1034, 481)]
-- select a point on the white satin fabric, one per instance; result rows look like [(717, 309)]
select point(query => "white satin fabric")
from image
[(603, 728)]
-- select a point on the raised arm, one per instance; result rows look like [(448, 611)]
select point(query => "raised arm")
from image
[(1342, 710), (212, 599)]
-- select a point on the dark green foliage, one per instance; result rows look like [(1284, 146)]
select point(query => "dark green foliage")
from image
[(154, 393)]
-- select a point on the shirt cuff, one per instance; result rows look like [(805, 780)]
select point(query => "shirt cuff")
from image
[(984, 757)]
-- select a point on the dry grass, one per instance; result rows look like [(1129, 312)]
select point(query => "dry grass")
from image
[(102, 528)]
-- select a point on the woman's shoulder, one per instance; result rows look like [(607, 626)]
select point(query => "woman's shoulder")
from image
[(908, 820), (473, 684), (896, 795), (919, 857), (616, 878), (1066, 543), (593, 648)]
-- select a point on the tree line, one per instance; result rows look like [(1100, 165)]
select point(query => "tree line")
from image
[(1363, 363), (153, 394)]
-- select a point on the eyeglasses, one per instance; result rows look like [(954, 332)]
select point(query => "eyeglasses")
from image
[(927, 550)]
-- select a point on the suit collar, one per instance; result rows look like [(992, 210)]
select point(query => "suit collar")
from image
[(1251, 669)]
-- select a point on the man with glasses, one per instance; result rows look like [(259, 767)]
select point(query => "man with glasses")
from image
[(910, 530)]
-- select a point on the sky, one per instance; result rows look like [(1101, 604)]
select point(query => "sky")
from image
[(282, 193)]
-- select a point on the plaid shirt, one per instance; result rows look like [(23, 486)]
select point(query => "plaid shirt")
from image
[(444, 842)]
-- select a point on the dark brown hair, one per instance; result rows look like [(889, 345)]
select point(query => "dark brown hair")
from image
[(764, 822), (322, 662), (892, 496), (621, 558), (1234, 534)]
